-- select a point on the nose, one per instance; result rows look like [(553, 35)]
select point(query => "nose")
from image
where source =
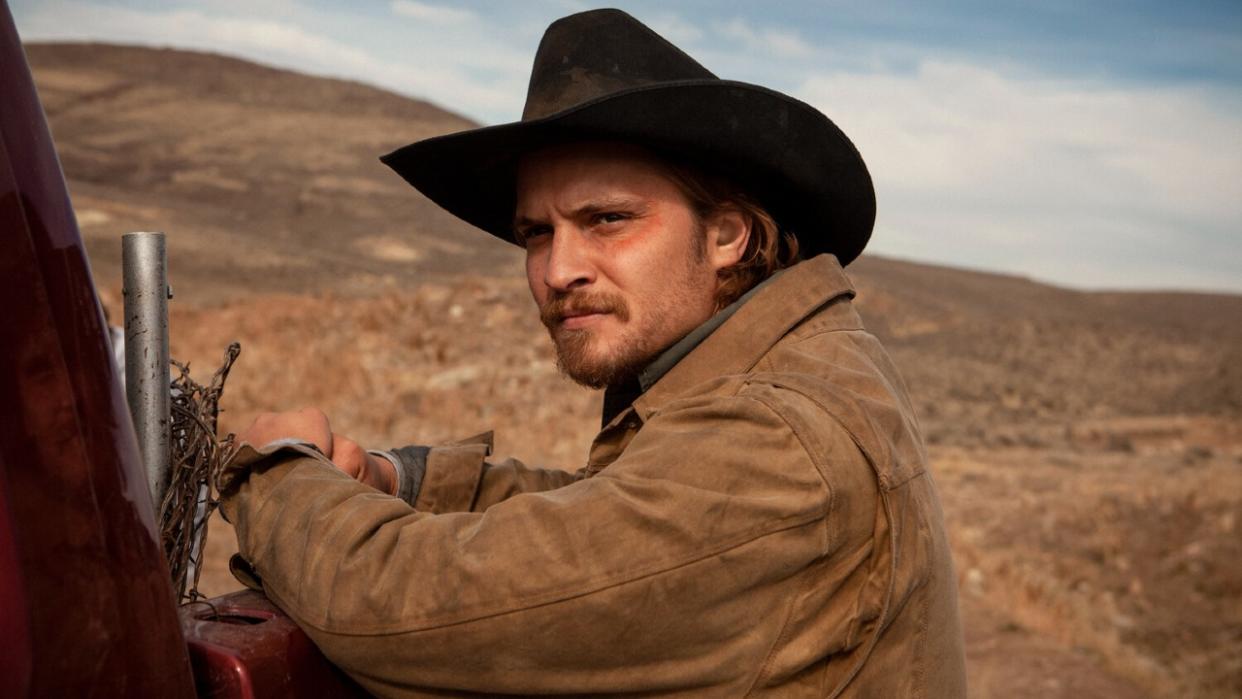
[(568, 265)]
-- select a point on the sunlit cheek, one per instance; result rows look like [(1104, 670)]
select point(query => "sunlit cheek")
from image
[(534, 278)]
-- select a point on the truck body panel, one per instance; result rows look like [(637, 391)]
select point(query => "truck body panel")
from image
[(87, 607)]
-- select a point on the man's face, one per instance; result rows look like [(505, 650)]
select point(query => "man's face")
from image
[(618, 262)]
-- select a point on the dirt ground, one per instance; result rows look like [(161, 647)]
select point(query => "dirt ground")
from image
[(1097, 557)]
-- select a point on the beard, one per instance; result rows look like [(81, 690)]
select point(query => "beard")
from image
[(574, 347)]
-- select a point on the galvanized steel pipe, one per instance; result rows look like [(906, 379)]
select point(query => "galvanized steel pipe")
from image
[(147, 377)]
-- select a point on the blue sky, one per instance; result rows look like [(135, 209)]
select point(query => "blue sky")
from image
[(1093, 145)]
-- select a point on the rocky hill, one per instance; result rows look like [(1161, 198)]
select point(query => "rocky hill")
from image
[(265, 180)]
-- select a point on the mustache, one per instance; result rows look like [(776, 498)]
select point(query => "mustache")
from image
[(560, 305)]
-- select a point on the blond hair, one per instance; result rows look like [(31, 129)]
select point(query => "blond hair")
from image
[(768, 250)]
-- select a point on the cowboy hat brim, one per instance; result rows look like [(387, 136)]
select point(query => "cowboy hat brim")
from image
[(784, 152)]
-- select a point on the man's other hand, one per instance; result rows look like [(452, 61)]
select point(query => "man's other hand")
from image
[(311, 425), (375, 471), (307, 425)]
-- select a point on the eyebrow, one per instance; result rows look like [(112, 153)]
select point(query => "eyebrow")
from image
[(593, 206)]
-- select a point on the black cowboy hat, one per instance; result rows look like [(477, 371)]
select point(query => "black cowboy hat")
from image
[(603, 75)]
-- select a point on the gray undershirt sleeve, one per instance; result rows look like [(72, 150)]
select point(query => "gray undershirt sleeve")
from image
[(411, 465)]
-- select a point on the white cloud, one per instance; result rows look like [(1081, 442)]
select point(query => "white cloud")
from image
[(427, 12), (258, 38), (766, 42), (1059, 180), (457, 67), (675, 29)]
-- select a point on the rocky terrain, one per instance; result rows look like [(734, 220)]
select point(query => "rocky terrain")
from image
[(1088, 446), (264, 180)]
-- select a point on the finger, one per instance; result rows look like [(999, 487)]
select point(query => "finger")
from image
[(305, 425), (349, 457), (258, 433), (316, 429)]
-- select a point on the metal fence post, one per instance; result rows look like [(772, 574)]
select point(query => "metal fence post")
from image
[(147, 378)]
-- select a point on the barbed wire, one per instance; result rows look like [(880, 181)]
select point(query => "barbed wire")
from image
[(198, 454)]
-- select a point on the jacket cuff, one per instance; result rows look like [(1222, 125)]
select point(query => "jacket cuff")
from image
[(451, 475), (249, 458), (246, 460)]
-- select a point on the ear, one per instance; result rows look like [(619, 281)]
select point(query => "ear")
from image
[(728, 231)]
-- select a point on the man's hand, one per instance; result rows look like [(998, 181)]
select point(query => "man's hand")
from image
[(307, 425), (375, 471), (311, 425)]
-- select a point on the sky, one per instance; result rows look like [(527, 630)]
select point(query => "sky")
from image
[(1091, 145)]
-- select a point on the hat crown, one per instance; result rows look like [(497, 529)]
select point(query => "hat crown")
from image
[(597, 53)]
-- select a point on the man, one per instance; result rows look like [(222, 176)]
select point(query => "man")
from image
[(755, 517)]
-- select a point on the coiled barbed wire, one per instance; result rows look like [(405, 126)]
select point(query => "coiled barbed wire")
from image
[(198, 454)]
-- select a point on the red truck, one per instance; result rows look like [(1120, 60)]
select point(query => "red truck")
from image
[(87, 607)]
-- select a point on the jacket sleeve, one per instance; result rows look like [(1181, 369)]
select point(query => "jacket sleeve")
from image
[(458, 477), (644, 573)]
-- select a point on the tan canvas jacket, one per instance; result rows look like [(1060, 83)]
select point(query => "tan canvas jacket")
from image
[(760, 522)]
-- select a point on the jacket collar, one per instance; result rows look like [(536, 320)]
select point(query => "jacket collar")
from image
[(758, 324)]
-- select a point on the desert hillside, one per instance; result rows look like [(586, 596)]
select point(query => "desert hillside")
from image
[(264, 180), (1088, 446)]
